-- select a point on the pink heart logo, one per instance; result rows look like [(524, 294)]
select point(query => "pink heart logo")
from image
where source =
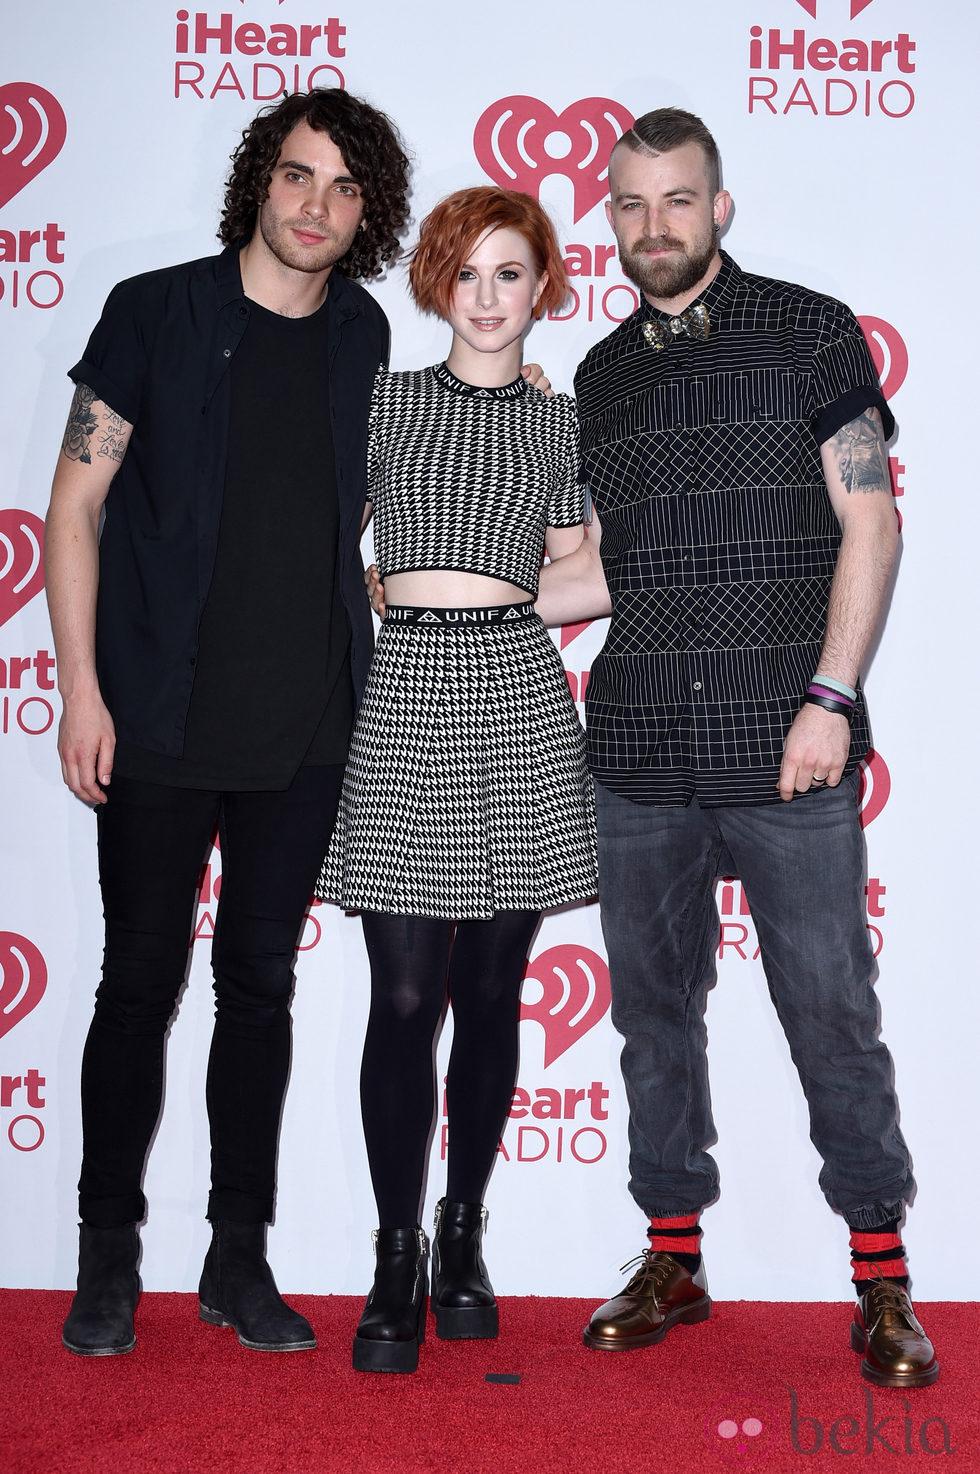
[(21, 560), (574, 996), (23, 979), (891, 357), (570, 632), (519, 141), (810, 6), (32, 133), (874, 787)]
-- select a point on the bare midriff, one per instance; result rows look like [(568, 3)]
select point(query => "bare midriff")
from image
[(442, 588)]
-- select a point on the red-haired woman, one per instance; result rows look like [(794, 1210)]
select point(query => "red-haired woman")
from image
[(467, 807)]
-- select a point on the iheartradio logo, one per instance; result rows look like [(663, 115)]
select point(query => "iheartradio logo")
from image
[(891, 357), (574, 996), (856, 6), (570, 632), (32, 133), (21, 560), (875, 786), (520, 141), (23, 979)]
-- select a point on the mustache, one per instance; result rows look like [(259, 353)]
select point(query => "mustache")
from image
[(656, 243), (325, 233)]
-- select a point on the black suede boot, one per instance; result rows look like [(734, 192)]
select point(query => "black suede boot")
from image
[(100, 1322), (393, 1323), (462, 1295), (237, 1289)]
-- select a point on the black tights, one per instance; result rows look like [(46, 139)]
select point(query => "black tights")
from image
[(412, 957)]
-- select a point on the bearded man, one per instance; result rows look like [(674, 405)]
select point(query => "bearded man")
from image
[(733, 436)]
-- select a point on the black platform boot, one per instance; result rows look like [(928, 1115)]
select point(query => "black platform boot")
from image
[(100, 1322), (462, 1295), (393, 1324), (237, 1289)]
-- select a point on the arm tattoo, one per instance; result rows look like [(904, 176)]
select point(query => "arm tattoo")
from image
[(111, 443), (860, 454), (82, 424)]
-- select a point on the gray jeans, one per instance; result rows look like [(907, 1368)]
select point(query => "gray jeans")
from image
[(802, 868)]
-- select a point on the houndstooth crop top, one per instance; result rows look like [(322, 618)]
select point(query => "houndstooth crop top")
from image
[(468, 479)]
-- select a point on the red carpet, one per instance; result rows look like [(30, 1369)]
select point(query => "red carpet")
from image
[(190, 1399)]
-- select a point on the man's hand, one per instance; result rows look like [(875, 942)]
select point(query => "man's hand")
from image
[(375, 590), (535, 376), (86, 747), (815, 751)]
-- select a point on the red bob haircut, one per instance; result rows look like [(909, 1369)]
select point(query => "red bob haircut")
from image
[(452, 229)]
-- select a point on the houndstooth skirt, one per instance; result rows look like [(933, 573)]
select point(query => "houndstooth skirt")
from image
[(467, 791)]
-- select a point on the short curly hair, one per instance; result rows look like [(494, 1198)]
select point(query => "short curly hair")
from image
[(453, 228), (372, 151)]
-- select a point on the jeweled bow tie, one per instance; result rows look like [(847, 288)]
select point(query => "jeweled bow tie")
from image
[(693, 323)]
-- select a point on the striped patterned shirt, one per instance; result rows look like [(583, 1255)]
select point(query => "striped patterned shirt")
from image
[(719, 540)]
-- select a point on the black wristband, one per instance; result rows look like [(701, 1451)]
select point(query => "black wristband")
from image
[(828, 704)]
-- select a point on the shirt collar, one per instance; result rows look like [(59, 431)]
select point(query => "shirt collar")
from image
[(444, 375), (228, 276)]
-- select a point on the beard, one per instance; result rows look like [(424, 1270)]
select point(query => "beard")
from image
[(674, 275), (275, 232)]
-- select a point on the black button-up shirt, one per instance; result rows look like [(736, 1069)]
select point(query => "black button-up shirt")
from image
[(159, 357), (719, 540)]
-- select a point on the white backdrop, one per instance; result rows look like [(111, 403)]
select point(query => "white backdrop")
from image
[(843, 126)]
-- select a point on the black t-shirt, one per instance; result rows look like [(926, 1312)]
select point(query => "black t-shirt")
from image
[(272, 685)]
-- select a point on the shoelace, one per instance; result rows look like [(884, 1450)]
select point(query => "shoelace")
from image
[(652, 1267), (885, 1296)]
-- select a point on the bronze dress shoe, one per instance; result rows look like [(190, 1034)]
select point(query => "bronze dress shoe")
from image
[(661, 1294), (896, 1350)]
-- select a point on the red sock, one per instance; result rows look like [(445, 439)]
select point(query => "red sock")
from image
[(878, 1252), (679, 1236)]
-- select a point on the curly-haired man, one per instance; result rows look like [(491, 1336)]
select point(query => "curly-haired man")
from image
[(211, 648)]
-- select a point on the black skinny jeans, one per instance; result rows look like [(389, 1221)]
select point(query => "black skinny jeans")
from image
[(152, 844)]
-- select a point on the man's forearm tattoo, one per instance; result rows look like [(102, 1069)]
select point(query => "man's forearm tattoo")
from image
[(860, 454), (82, 425)]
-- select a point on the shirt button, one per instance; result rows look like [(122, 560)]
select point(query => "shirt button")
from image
[(227, 352), (697, 685)]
